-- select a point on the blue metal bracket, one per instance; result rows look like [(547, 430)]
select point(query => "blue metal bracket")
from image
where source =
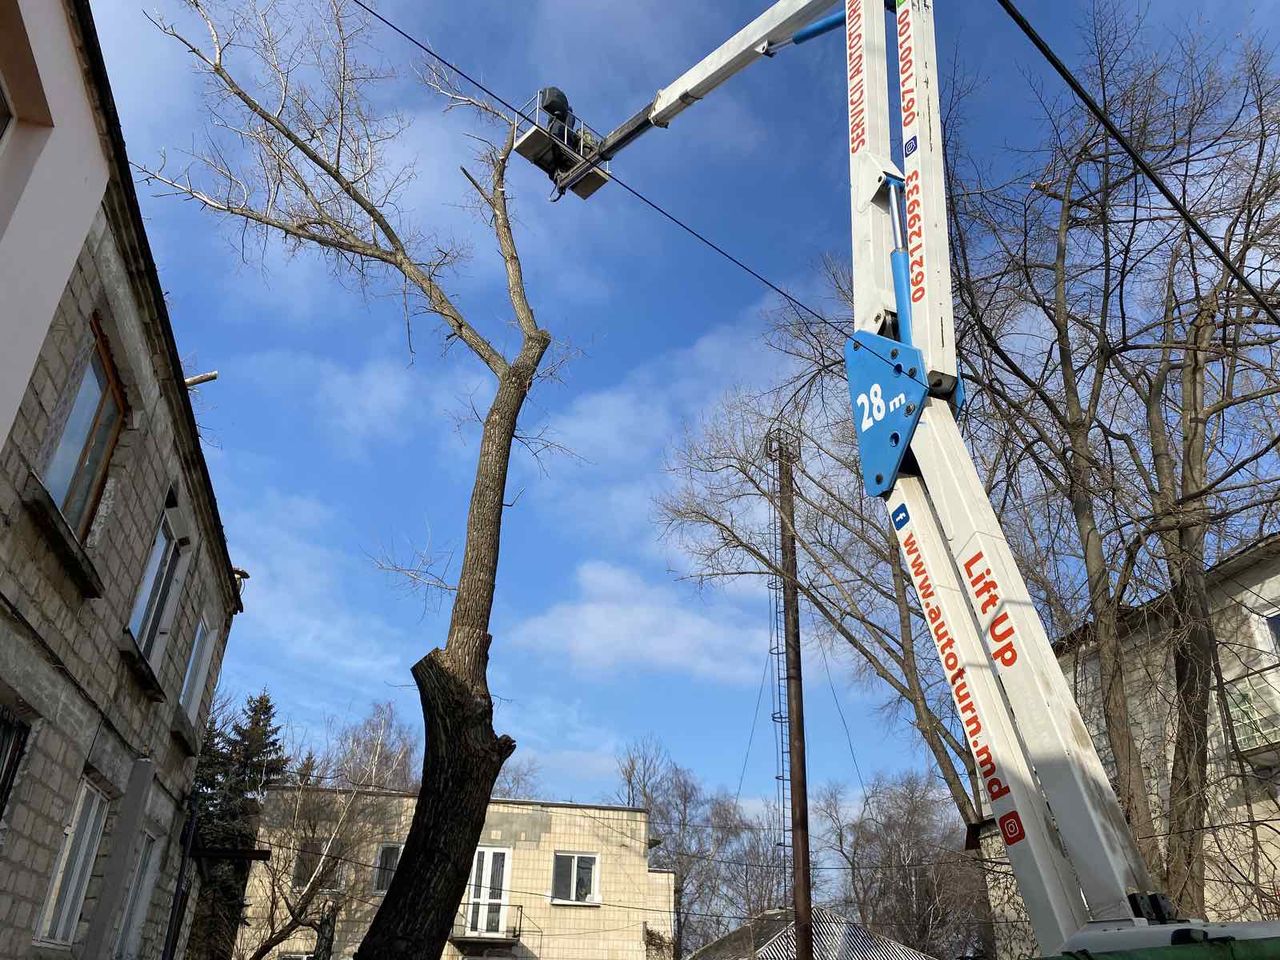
[(887, 388)]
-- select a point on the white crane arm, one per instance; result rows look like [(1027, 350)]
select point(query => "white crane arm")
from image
[(776, 25)]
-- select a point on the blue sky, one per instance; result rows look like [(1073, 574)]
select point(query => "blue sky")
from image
[(329, 444)]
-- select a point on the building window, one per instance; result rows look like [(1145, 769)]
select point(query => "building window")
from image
[(75, 864), (197, 671), (487, 892), (1273, 630), (307, 862), (388, 860), (155, 589), (78, 470), (1255, 710), (574, 878), (13, 741), (313, 862), (6, 111), (139, 899)]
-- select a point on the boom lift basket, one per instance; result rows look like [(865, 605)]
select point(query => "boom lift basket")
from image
[(555, 139)]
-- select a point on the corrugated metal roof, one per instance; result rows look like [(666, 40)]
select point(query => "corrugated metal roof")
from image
[(835, 938)]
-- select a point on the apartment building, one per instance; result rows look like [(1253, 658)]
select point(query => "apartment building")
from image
[(549, 881), (116, 589), (1242, 845)]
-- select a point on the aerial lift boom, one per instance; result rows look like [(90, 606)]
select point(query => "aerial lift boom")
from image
[(1077, 867)]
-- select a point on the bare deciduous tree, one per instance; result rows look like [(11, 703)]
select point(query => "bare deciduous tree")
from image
[(521, 778), (726, 864), (299, 151), (901, 867), (316, 826), (1133, 380), (851, 579)]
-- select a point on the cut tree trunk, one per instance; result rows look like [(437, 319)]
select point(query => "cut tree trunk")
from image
[(463, 754), (462, 759)]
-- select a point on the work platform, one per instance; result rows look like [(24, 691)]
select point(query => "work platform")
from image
[(554, 143)]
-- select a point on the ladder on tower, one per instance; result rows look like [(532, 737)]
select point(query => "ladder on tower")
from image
[(781, 710)]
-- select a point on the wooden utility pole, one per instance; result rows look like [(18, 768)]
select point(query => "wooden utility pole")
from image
[(801, 876)]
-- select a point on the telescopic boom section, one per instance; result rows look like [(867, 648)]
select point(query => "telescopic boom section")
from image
[(773, 27), (781, 24)]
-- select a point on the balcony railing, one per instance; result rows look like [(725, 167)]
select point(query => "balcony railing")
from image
[(555, 146), (487, 924)]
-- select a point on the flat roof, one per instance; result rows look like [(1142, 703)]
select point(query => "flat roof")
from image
[(515, 801)]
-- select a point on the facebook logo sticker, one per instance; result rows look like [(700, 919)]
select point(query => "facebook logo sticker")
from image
[(909, 148), (900, 518)]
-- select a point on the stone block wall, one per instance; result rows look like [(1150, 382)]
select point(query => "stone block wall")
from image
[(91, 712)]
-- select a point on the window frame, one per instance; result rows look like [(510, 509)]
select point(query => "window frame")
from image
[(198, 662), (1254, 715), (304, 845), (378, 868), (479, 901), (1271, 630), (593, 898), (113, 390), (8, 113), (156, 588), (14, 735), (323, 854), (163, 602), (141, 890), (51, 924)]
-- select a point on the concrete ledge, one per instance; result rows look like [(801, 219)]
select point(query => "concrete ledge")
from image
[(49, 951), (142, 671), (184, 731), (64, 542)]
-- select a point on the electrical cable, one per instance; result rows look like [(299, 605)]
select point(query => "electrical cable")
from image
[(661, 211), (1157, 181), (755, 716), (843, 722)]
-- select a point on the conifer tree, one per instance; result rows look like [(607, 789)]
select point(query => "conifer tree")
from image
[(240, 757)]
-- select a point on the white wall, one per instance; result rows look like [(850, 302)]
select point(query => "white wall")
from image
[(53, 173)]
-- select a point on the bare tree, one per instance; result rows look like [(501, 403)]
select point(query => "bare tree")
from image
[(901, 866), (725, 863), (316, 826), (298, 150), (851, 580), (520, 777), (1133, 379)]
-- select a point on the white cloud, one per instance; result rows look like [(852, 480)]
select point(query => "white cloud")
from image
[(381, 400), (622, 433), (619, 621), (574, 750), (299, 612)]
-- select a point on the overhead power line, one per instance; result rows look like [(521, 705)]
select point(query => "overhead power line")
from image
[(1101, 116), (657, 208)]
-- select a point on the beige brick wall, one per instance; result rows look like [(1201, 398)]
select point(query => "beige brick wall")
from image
[(632, 900), (60, 666)]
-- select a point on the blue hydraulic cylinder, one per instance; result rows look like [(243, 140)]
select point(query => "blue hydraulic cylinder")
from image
[(900, 260), (818, 27)]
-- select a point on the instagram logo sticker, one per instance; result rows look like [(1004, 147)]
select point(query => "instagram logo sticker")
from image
[(1011, 828)]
